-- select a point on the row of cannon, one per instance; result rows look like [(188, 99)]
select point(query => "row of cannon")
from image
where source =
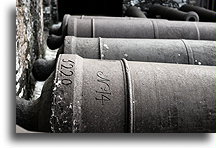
[(128, 74), (134, 26)]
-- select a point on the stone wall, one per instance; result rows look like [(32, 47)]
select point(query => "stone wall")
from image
[(29, 43)]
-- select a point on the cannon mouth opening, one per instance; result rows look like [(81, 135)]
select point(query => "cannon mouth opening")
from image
[(192, 19)]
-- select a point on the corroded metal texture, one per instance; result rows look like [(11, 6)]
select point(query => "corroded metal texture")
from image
[(58, 32), (133, 11), (120, 96), (141, 28), (136, 28), (98, 17), (204, 14), (57, 28), (173, 14), (146, 50)]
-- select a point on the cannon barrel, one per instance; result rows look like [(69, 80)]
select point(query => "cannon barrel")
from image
[(56, 29), (137, 28), (173, 14), (205, 15), (88, 95), (133, 11), (146, 50)]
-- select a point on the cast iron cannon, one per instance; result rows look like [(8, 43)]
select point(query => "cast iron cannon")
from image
[(56, 29), (146, 50), (173, 14), (205, 15), (133, 28), (105, 96)]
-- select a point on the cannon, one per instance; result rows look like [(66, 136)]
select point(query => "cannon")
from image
[(173, 14), (133, 11), (134, 28), (56, 29), (108, 96), (205, 15), (146, 50)]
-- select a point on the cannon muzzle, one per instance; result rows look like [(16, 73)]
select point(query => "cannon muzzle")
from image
[(173, 14), (205, 15)]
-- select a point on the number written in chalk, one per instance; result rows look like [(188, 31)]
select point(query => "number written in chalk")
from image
[(66, 71), (104, 91)]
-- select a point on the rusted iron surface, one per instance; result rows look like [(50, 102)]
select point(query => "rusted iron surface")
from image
[(173, 14), (89, 95), (140, 28), (133, 11), (56, 29), (163, 97), (147, 50), (135, 28), (205, 15)]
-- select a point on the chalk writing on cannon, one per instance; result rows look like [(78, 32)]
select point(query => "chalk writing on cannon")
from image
[(104, 91), (66, 70)]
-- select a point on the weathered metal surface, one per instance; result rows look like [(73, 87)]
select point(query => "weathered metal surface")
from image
[(173, 14), (146, 50), (133, 11), (141, 28), (137, 28), (204, 14), (56, 29), (120, 96), (87, 95), (98, 17)]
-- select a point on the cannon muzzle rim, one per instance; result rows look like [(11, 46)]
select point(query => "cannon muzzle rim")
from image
[(192, 16)]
